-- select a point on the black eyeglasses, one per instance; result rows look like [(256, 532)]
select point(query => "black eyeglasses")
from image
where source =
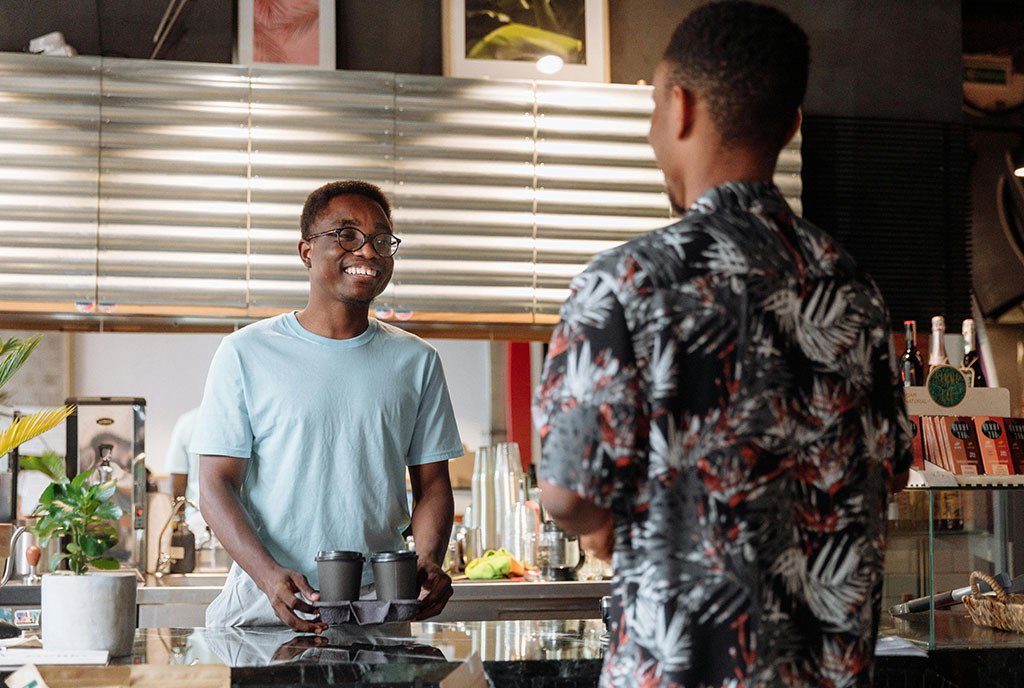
[(351, 239)]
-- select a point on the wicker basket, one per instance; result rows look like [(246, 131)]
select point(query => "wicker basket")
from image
[(1002, 610)]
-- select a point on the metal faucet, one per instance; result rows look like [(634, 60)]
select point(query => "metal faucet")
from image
[(163, 560), (8, 564)]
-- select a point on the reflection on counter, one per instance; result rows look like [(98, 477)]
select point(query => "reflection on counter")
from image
[(399, 642)]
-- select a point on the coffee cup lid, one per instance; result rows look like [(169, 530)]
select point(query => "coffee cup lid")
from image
[(338, 555), (400, 555)]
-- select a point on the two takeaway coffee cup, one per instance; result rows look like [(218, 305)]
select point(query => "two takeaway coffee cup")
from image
[(341, 572)]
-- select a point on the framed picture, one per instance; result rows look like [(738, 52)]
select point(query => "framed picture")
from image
[(286, 32), (526, 39)]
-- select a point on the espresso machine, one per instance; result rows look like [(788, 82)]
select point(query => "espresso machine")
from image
[(108, 434)]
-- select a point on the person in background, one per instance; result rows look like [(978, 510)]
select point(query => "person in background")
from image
[(309, 421), (183, 467), (720, 409)]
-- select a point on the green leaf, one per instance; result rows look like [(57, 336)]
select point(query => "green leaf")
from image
[(55, 559), (105, 490), (15, 352), (78, 482), (73, 548), (49, 464), (46, 498), (108, 511), (106, 563), (93, 547)]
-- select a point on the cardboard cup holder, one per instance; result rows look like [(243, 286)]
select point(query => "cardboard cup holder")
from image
[(366, 612)]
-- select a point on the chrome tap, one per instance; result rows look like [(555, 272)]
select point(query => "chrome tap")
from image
[(163, 560)]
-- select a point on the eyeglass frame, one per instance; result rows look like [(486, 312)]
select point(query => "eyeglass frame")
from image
[(396, 242)]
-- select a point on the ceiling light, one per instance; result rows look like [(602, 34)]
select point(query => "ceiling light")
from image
[(1019, 172), (550, 64)]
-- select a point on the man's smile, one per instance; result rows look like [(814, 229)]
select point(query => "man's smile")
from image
[(361, 270)]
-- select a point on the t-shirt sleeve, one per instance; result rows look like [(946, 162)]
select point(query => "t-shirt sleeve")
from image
[(177, 448), (223, 428), (436, 435), (588, 408)]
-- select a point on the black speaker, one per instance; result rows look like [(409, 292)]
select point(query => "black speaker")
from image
[(997, 197)]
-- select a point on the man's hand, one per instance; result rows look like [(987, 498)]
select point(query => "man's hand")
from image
[(280, 588), (435, 589), (601, 542)]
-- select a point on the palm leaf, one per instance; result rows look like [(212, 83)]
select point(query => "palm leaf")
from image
[(15, 352), (26, 427)]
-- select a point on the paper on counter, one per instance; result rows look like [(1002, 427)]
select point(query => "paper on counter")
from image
[(13, 657), (139, 676)]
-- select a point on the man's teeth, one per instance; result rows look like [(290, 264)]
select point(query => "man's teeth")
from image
[(357, 270)]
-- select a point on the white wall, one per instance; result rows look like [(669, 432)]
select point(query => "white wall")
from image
[(167, 370)]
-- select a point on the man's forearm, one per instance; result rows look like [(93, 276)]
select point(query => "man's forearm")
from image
[(571, 512), (432, 517), (224, 514)]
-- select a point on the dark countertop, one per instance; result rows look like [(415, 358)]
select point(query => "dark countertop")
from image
[(558, 653), (516, 654)]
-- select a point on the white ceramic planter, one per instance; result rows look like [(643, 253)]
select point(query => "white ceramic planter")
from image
[(91, 612)]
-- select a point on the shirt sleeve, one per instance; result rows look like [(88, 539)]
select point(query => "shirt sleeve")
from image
[(436, 436), (177, 448), (588, 408), (888, 395), (224, 428)]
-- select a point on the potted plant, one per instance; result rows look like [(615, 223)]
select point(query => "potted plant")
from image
[(80, 610)]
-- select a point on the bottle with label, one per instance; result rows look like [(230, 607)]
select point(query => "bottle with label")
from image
[(936, 345), (183, 548), (911, 365), (971, 365)]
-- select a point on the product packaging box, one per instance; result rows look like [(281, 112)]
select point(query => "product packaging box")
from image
[(963, 445), (1015, 439), (995, 448)]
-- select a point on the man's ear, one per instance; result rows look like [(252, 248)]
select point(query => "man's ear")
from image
[(304, 253), (684, 109), (798, 119)]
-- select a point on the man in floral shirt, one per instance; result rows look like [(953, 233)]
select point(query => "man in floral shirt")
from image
[(720, 405)]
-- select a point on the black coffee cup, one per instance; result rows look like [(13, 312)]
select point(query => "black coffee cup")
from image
[(394, 575), (340, 573)]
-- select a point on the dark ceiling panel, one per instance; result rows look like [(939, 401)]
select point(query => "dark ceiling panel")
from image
[(204, 31)]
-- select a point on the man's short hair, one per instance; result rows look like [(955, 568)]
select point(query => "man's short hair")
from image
[(321, 198), (749, 63)]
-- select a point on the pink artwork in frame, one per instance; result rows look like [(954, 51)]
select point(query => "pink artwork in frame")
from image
[(286, 32)]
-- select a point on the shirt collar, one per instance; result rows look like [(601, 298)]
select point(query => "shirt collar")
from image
[(759, 196)]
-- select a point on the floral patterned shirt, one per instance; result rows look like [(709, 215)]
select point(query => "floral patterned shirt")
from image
[(726, 386)]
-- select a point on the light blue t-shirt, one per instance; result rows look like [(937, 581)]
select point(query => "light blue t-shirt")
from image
[(327, 427)]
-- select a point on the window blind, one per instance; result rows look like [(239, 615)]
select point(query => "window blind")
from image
[(173, 190)]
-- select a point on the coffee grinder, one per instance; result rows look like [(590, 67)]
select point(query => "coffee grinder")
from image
[(108, 434)]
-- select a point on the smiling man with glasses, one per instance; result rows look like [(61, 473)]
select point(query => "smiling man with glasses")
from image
[(309, 421)]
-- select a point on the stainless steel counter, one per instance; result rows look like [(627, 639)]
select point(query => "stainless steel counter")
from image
[(180, 600)]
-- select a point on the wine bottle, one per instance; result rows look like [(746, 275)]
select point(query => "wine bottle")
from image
[(911, 365), (971, 365), (936, 345)]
